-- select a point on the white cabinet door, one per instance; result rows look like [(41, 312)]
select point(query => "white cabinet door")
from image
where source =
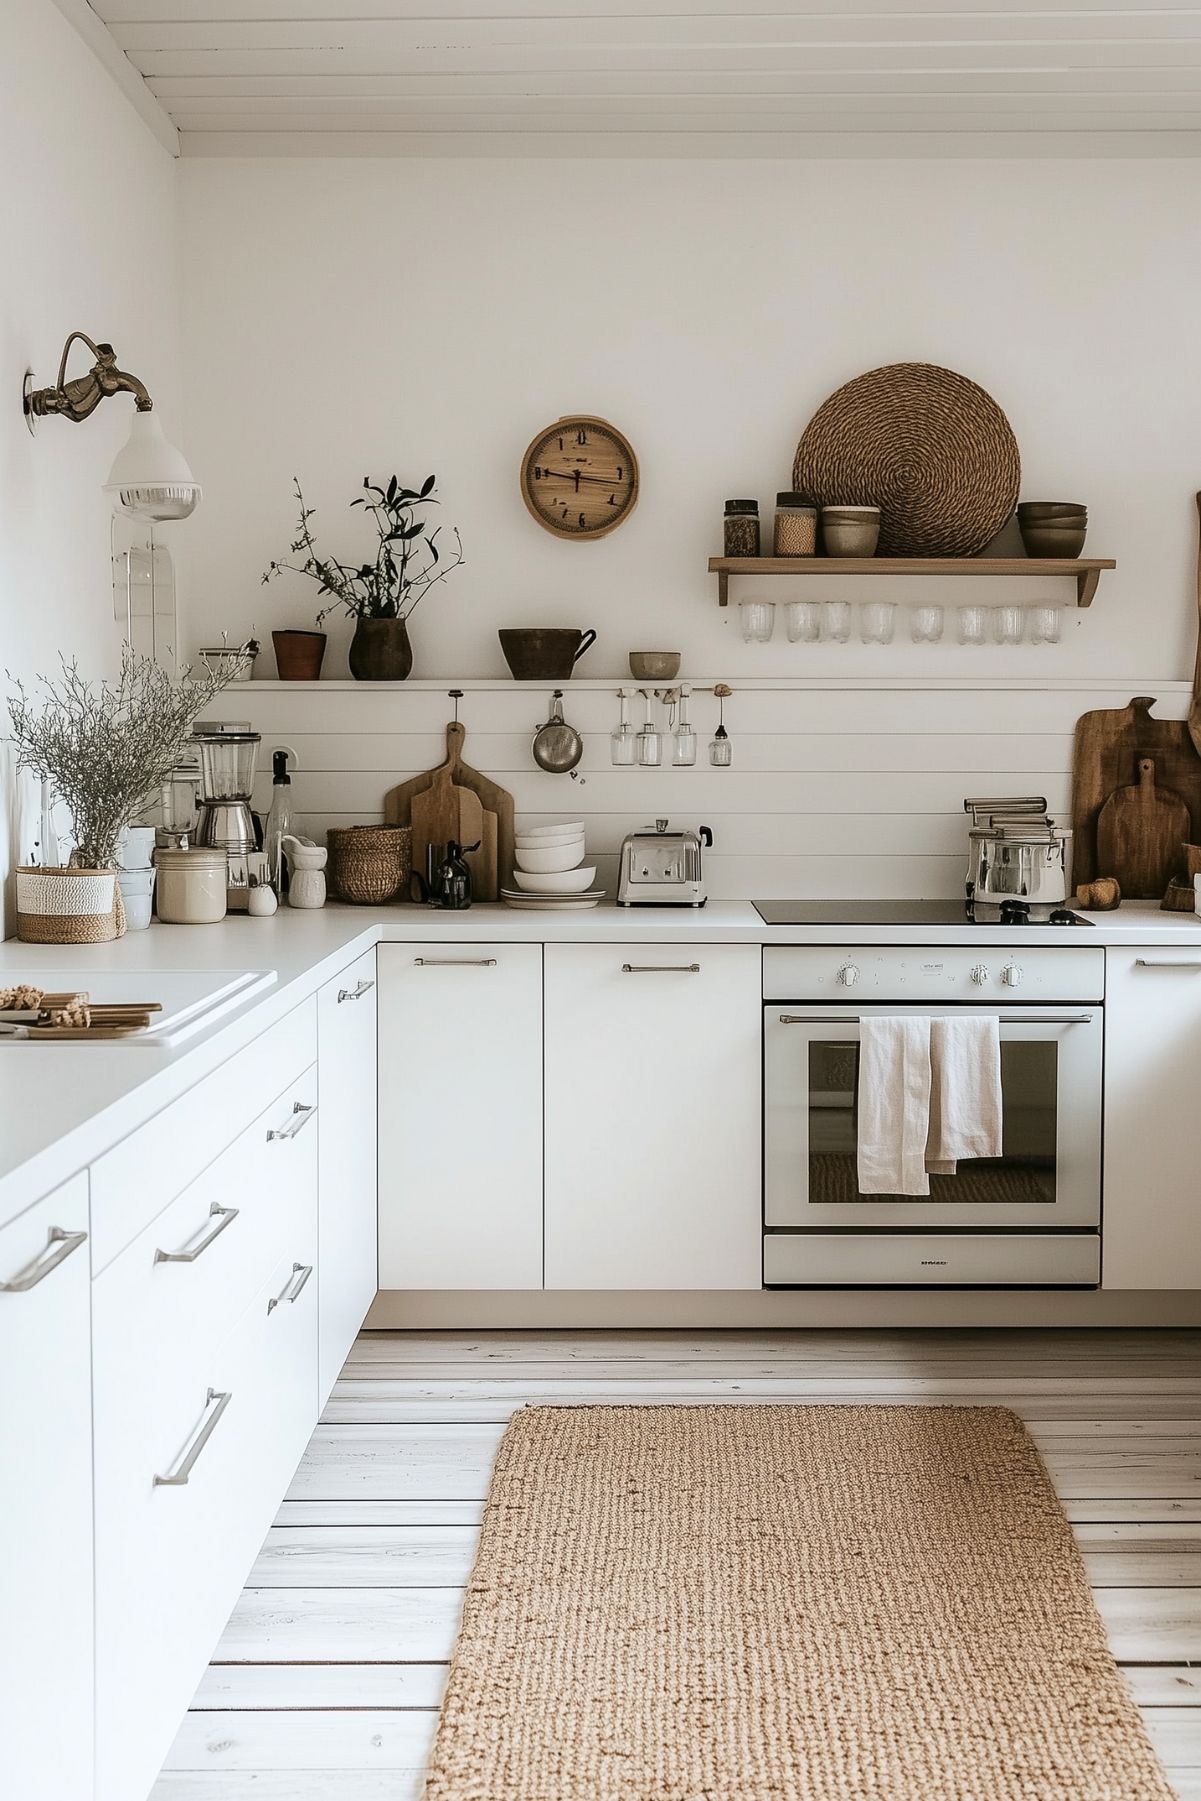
[(460, 1115), (346, 1015), (1151, 1225), (46, 1501), (653, 1116)]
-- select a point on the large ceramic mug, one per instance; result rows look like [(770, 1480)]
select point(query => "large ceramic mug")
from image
[(544, 653)]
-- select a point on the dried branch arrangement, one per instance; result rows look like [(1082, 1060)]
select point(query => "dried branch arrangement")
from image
[(408, 560), (105, 747)]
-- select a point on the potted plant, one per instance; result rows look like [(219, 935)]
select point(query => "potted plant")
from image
[(105, 749), (379, 596)]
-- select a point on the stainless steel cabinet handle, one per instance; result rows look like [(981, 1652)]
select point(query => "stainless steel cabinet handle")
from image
[(59, 1245), (224, 1216), (1167, 962), (301, 1117), (187, 1463), (1006, 1019), (356, 993), (291, 1288), (454, 962), (660, 969)]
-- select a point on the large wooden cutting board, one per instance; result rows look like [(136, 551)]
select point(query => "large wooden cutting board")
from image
[(1109, 744), (492, 865), (1141, 833)]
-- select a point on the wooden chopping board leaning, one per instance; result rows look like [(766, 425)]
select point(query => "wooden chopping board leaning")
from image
[(456, 801)]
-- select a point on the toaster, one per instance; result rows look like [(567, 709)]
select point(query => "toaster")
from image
[(659, 868)]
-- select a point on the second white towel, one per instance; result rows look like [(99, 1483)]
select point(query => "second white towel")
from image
[(965, 1091), (929, 1094)]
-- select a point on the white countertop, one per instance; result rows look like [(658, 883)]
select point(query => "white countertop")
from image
[(62, 1105)]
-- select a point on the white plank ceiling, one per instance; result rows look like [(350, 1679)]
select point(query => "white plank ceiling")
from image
[(671, 77)]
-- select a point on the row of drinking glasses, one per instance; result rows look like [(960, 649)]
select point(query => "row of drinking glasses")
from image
[(809, 621)]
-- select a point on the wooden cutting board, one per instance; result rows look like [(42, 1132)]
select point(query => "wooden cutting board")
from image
[(444, 812), (1141, 833), (1109, 743), (492, 864)]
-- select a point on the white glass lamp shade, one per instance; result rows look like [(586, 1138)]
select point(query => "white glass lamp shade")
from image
[(150, 479)]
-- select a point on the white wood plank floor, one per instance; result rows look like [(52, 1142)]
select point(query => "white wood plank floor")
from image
[(326, 1684)]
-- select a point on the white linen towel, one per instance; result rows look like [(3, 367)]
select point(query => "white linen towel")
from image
[(894, 1104), (965, 1091)]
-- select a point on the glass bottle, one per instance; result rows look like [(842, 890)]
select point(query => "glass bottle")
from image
[(683, 739), (623, 741), (721, 751), (650, 739), (280, 821)]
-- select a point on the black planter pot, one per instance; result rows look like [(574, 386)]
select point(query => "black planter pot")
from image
[(380, 651)]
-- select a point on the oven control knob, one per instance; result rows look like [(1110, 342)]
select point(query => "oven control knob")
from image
[(979, 973), (1011, 975), (848, 975)]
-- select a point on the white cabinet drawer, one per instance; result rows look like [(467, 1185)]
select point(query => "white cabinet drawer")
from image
[(175, 1291), (172, 1555), (132, 1183), (347, 1235), (460, 1115), (46, 1502)]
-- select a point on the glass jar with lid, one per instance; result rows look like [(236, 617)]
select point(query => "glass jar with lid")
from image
[(740, 536), (796, 526)]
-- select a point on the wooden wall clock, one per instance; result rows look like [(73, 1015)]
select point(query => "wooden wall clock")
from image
[(579, 478)]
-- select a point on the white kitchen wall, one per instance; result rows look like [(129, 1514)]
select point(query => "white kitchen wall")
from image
[(87, 196)]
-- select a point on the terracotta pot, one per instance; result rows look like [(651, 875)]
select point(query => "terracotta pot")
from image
[(380, 651), (298, 655)]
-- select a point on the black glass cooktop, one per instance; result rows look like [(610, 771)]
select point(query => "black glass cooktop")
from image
[(883, 913)]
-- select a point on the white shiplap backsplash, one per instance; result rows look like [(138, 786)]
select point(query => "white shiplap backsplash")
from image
[(837, 788)]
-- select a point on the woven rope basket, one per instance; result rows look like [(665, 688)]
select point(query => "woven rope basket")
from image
[(931, 449), (369, 864), (68, 906)]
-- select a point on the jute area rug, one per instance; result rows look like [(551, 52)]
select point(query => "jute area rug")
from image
[(773, 1603)]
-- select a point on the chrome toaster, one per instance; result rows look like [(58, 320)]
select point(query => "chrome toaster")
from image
[(659, 868)]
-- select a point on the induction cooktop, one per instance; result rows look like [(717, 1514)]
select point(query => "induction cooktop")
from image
[(888, 913)]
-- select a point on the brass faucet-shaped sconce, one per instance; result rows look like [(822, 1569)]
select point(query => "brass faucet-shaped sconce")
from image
[(77, 400), (149, 479)]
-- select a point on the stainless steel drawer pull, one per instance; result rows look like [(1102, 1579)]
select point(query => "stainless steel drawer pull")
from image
[(301, 1115), (1167, 962), (1006, 1019), (187, 1463), (660, 969), (454, 962), (59, 1245), (291, 1288), (356, 993), (224, 1216)]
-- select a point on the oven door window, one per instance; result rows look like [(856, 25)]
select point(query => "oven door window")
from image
[(1023, 1176)]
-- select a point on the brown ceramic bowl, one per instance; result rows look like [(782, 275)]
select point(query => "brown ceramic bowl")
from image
[(1053, 540), (543, 653), (1051, 509), (655, 665)]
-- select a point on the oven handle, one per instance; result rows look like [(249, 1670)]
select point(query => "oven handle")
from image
[(1008, 1019)]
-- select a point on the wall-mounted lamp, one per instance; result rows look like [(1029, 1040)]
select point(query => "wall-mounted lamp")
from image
[(149, 479)]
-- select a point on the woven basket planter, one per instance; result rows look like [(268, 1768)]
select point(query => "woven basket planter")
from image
[(68, 906), (927, 446), (369, 864)]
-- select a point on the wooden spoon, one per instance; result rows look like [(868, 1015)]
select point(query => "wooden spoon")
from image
[(1194, 711)]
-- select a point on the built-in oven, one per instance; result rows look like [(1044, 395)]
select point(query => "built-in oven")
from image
[(1030, 1217)]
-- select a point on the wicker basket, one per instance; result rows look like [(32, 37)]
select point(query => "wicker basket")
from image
[(369, 864), (68, 906)]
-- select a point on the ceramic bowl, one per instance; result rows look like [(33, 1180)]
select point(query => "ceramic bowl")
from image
[(1053, 541), (850, 539), (654, 665), (848, 513), (567, 881), (1051, 509), (555, 861), (538, 834), (549, 841)]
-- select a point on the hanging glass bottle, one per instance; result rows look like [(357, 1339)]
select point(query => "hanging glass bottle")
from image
[(623, 740), (683, 739), (650, 739), (721, 751)]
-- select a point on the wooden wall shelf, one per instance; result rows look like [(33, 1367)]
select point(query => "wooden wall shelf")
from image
[(1084, 571)]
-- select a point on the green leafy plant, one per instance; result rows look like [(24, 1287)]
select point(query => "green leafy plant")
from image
[(408, 560), (106, 747)]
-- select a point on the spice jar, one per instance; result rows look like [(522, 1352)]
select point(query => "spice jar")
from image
[(741, 536), (191, 886), (796, 526)]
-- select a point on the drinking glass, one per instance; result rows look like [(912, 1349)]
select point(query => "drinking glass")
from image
[(1045, 624), (876, 621), (838, 620), (803, 619), (973, 623), (1009, 624), (925, 624), (758, 618)]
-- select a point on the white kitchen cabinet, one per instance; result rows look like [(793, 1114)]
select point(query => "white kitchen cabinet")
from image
[(460, 1115), (347, 1234), (1151, 1227), (46, 1738), (653, 1116)]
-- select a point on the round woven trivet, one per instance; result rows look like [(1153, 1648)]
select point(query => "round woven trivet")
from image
[(369, 864), (931, 449)]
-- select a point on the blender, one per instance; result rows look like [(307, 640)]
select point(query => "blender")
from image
[(227, 758)]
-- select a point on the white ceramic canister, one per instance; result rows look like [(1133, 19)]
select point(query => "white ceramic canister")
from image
[(191, 886)]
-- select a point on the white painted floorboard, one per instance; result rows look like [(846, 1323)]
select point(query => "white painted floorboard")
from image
[(327, 1680)]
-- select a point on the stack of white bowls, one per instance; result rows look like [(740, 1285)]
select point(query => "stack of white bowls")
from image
[(550, 870)]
